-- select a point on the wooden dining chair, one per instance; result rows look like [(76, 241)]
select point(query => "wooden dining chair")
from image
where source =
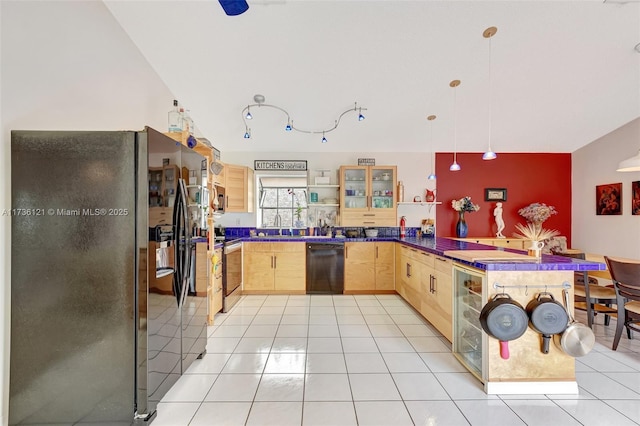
[(626, 281), (589, 296)]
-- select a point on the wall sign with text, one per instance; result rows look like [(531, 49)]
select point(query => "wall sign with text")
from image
[(282, 165)]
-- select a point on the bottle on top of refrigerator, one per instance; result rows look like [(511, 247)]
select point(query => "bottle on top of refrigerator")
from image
[(175, 118), (400, 192), (187, 122)]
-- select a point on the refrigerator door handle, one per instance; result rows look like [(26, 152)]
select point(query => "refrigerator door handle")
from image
[(186, 269), (177, 259)]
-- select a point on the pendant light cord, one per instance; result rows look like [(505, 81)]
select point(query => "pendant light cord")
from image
[(455, 129), (490, 95)]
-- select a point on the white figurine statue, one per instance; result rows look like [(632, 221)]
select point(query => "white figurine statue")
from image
[(497, 213)]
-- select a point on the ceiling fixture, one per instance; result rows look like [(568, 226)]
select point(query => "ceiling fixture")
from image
[(488, 33), (234, 7), (432, 175), (630, 164), (259, 102), (454, 167)]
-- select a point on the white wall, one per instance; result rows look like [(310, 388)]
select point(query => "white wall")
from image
[(595, 164), (413, 169), (65, 65)]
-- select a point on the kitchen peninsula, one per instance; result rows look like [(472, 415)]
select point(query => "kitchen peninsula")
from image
[(449, 281)]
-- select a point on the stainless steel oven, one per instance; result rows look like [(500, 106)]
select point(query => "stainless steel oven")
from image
[(231, 274)]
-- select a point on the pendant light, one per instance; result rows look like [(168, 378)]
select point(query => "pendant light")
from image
[(432, 175), (454, 167), (488, 33)]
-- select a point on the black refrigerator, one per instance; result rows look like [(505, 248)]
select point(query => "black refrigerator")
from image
[(93, 339)]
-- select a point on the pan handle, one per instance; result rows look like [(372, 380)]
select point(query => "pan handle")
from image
[(545, 343), (504, 349), (565, 294)]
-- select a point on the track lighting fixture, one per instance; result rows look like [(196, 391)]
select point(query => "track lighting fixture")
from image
[(454, 167), (432, 175), (259, 102)]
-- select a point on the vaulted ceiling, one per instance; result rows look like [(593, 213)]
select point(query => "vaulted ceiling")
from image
[(555, 77)]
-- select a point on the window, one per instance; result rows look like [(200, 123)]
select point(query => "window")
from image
[(282, 202)]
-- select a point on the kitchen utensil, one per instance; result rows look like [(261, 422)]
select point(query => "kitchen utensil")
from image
[(352, 233), (504, 319), (578, 339), (547, 317), (371, 233)]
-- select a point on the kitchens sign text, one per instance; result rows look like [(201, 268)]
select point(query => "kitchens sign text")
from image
[(280, 165)]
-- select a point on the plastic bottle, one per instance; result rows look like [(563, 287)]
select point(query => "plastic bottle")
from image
[(175, 119), (400, 192)]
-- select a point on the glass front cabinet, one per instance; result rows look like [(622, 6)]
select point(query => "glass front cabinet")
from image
[(369, 195), (468, 339)]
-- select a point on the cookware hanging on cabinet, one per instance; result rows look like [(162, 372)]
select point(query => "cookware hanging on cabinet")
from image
[(504, 319), (547, 317), (578, 339)]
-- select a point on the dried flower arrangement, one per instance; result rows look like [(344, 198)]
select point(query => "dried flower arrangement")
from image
[(531, 231), (537, 212)]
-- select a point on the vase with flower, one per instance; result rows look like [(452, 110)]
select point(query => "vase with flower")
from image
[(463, 205), (536, 214)]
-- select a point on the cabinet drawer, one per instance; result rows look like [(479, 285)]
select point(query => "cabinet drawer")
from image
[(257, 247), (443, 265), (288, 247), (368, 218), (160, 216)]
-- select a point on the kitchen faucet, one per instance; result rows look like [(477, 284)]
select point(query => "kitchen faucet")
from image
[(277, 222)]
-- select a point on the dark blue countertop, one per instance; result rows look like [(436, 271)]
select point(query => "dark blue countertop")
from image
[(440, 245)]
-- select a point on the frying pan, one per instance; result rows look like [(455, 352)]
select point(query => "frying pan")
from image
[(578, 339), (547, 317), (504, 319)]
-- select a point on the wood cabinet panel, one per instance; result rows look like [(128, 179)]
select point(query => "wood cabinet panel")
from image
[(238, 189), (258, 271), (368, 195), (359, 267), (274, 267), (160, 216), (385, 275), (215, 291)]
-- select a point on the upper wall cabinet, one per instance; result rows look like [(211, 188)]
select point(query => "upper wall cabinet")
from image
[(239, 194), (368, 194)]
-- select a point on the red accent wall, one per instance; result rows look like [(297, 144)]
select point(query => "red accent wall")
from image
[(528, 178)]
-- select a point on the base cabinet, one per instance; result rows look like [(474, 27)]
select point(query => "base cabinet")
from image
[(514, 243), (424, 280), (369, 267), (215, 286), (527, 370), (274, 268)]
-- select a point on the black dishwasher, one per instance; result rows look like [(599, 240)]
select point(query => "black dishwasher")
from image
[(325, 268)]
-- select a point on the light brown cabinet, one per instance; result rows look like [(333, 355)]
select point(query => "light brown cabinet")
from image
[(202, 270), (368, 195), (238, 189), (274, 268), (514, 243), (424, 280), (369, 267), (163, 184), (215, 284)]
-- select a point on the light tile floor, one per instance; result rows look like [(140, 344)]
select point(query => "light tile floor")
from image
[(371, 360)]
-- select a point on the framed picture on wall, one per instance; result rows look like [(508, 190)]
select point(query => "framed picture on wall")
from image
[(609, 199), (635, 198), (495, 194)]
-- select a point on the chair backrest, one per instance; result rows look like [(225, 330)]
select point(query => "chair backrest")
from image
[(626, 277)]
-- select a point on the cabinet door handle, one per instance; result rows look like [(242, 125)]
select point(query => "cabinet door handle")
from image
[(376, 252), (275, 262), (346, 252), (435, 283), (408, 270), (441, 259), (226, 204), (271, 262)]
